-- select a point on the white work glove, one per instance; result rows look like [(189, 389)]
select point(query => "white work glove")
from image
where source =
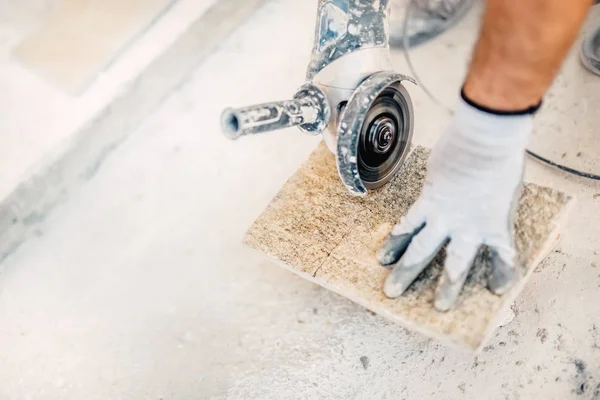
[(473, 181)]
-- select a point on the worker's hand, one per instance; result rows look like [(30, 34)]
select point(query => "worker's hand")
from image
[(473, 180)]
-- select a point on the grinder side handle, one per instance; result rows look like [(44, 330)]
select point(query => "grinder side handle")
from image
[(267, 117)]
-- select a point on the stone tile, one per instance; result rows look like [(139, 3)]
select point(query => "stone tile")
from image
[(319, 231)]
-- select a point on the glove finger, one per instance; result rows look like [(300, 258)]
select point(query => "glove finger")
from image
[(423, 249), (394, 246), (459, 258), (396, 243), (503, 274)]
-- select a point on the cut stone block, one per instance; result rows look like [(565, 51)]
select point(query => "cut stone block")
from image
[(81, 37), (316, 229)]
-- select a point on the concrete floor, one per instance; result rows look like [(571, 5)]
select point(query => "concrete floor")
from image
[(139, 288), (38, 117)]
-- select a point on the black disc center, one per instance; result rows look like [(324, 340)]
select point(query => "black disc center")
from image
[(384, 137), (382, 134)]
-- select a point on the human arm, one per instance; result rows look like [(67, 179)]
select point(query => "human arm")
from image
[(475, 170), (521, 46)]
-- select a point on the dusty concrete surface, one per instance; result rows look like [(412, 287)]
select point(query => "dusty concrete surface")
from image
[(75, 159), (314, 228), (37, 116), (140, 288), (70, 54)]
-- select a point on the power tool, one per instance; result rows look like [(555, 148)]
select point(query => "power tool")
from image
[(352, 96)]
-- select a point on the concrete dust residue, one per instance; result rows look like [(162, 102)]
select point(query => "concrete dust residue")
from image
[(543, 335)]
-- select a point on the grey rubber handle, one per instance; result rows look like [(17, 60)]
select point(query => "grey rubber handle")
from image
[(268, 117)]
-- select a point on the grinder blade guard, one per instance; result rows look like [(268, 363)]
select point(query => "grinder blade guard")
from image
[(352, 96)]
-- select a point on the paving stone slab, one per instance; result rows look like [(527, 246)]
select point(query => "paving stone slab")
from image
[(314, 228)]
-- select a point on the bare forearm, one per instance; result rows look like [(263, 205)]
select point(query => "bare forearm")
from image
[(520, 49)]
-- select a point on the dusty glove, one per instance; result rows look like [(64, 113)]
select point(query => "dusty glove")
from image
[(473, 179)]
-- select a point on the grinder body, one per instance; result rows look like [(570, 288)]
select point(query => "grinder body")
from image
[(351, 96)]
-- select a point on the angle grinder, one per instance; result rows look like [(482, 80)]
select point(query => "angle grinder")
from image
[(352, 96)]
